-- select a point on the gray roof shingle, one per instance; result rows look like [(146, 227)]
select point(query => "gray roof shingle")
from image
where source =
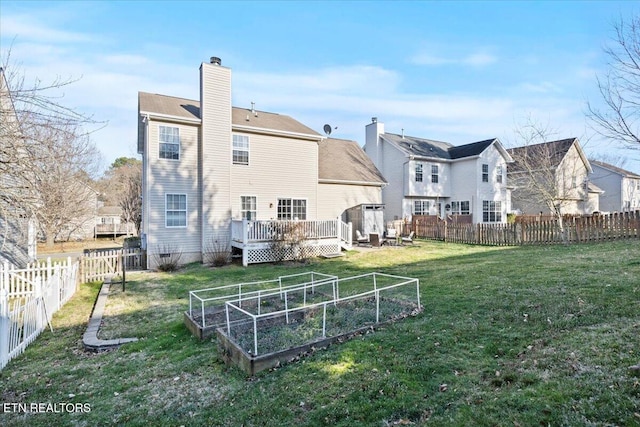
[(345, 160), (437, 149), (620, 171), (190, 109)]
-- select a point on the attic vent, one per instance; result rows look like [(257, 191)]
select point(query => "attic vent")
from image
[(215, 60), (402, 133)]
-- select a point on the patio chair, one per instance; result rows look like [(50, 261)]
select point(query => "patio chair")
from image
[(362, 240), (409, 238)]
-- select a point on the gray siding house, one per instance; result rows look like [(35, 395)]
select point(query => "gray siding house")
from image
[(223, 175), (621, 187), (17, 224), (427, 177)]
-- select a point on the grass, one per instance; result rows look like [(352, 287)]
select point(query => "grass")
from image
[(509, 337)]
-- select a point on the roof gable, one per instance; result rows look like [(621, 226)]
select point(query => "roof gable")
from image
[(186, 109), (623, 172), (341, 160), (429, 148), (555, 151)]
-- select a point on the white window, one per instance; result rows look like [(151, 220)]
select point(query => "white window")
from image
[(240, 149), (175, 212), (499, 174), (292, 209), (421, 207), (248, 207), (418, 172), (460, 208), (169, 139), (491, 211), (434, 174), (485, 173)]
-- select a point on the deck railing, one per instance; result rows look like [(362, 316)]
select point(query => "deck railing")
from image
[(246, 231)]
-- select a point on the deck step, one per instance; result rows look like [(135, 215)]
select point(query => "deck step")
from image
[(334, 255)]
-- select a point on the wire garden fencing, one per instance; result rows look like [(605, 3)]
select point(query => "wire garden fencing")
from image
[(28, 299), (207, 306), (277, 321)]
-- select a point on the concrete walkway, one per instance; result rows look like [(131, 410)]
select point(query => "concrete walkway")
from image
[(90, 338)]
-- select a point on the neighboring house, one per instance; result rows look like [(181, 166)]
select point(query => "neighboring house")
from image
[(552, 177), (109, 222), (621, 187), (17, 226), (427, 177), (213, 174)]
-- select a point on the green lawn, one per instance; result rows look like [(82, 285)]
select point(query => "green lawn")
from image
[(524, 336)]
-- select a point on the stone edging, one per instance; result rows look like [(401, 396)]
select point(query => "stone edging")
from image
[(90, 338)]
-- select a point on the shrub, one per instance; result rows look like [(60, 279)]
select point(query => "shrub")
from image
[(216, 253), (167, 257)]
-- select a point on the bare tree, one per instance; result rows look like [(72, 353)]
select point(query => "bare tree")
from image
[(62, 164), (42, 141), (121, 186), (620, 87), (549, 176)]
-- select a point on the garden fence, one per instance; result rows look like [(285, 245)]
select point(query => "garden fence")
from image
[(574, 229), (97, 265), (28, 299)]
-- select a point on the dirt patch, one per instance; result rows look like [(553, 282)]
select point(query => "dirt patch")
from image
[(78, 246)]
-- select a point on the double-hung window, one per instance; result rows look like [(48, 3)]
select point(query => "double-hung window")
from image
[(248, 207), (460, 208), (491, 211), (169, 139), (499, 174), (175, 210), (485, 173), (421, 207), (434, 174), (292, 209), (240, 149), (418, 172)]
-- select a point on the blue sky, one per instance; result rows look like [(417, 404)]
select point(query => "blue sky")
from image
[(453, 71)]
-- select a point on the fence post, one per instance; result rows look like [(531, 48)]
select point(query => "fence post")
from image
[(4, 327)]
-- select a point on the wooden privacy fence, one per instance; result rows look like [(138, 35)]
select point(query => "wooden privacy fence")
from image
[(577, 229), (28, 299), (97, 265)]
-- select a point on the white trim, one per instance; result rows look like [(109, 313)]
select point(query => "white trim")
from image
[(256, 207), (161, 116), (186, 210), (248, 150), (179, 144), (277, 132), (345, 182), (292, 198)]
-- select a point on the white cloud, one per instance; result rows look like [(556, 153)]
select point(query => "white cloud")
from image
[(432, 57)]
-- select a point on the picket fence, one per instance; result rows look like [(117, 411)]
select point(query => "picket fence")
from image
[(95, 266), (575, 229), (28, 299)]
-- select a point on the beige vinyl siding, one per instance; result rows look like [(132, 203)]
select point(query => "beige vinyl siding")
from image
[(334, 199), (215, 95), (278, 168), (173, 177)]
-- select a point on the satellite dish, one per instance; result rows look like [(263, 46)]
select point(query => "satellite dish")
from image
[(327, 129)]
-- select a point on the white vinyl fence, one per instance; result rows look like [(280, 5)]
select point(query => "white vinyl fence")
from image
[(28, 299)]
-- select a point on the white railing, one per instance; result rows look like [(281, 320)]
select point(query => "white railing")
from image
[(28, 299), (246, 231)]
